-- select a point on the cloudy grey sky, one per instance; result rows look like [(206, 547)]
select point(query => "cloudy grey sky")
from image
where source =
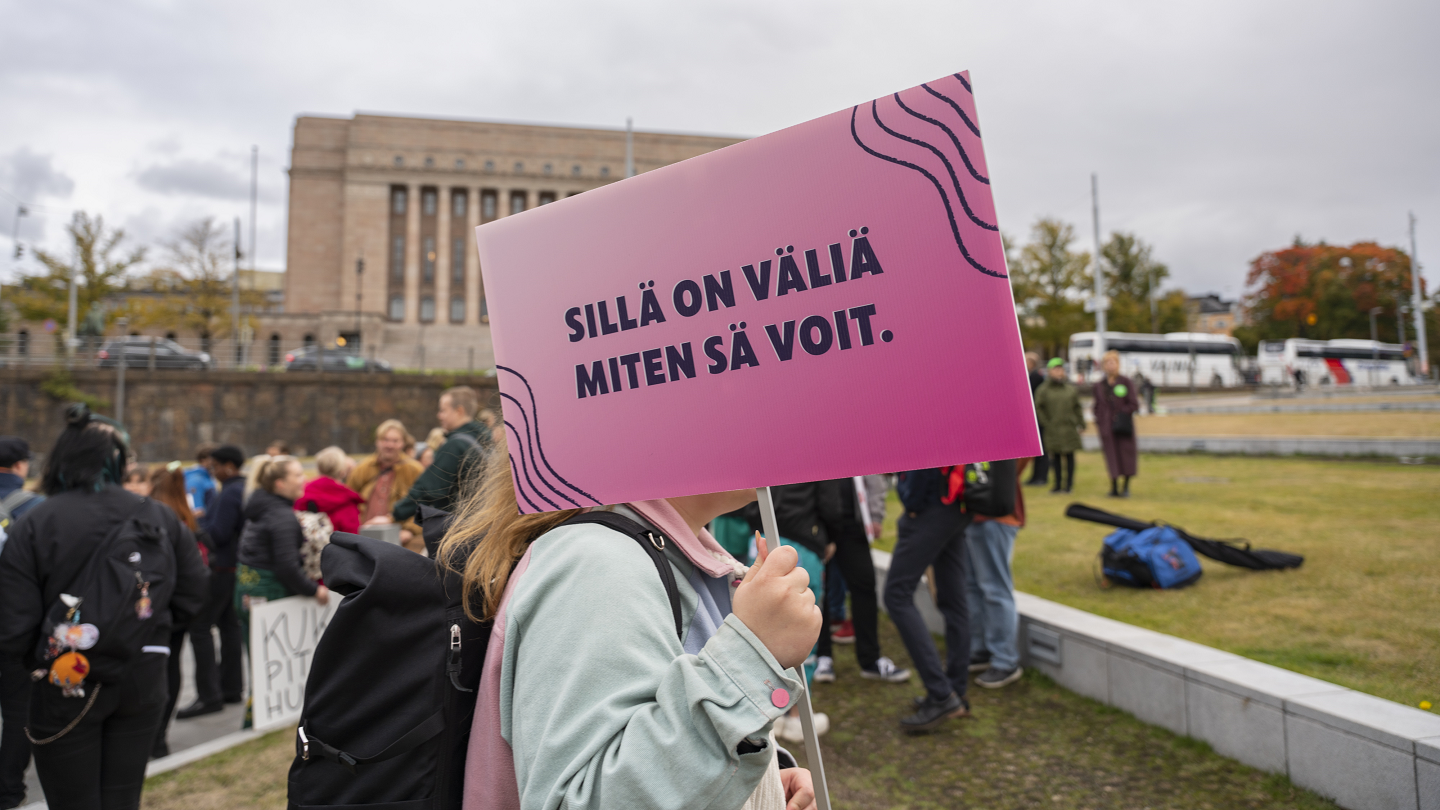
[(1219, 129)]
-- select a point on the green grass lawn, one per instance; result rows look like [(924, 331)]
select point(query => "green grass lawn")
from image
[(1031, 744), (247, 777), (1362, 610)]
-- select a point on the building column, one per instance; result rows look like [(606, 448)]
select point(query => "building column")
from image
[(442, 254), (472, 264)]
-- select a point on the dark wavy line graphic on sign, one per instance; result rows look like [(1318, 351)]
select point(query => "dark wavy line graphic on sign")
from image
[(944, 197), (966, 83), (528, 446), (970, 125), (516, 475), (525, 468), (953, 140), (532, 447), (955, 181)]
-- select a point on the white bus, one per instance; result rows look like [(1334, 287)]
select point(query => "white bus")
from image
[(1333, 362), (1166, 360)]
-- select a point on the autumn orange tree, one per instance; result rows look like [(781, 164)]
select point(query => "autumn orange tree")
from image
[(1323, 292)]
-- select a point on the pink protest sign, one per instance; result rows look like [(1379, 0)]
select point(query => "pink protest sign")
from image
[(825, 301)]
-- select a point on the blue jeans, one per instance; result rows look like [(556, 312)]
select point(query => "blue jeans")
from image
[(994, 623)]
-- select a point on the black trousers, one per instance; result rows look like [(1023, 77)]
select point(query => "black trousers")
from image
[(225, 680), (934, 538), (1040, 467), (14, 748), (99, 764), (852, 555), (172, 682)]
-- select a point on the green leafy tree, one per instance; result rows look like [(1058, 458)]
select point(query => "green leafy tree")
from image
[(194, 292), (1049, 280), (99, 269), (1132, 276)]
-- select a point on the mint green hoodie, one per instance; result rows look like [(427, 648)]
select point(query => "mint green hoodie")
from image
[(588, 698)]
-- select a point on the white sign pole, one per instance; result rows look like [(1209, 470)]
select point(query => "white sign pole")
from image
[(807, 722)]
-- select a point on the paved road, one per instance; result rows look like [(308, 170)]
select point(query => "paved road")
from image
[(183, 733)]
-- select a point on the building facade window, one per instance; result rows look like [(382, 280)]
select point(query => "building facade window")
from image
[(488, 204), (575, 170), (397, 308), (457, 309), (399, 161), (429, 162), (517, 201), (457, 261), (546, 197), (604, 171), (549, 168), (427, 309), (489, 165), (309, 340), (519, 167), (274, 353), (428, 202), (428, 262), (457, 204), (397, 259), (22, 341), (459, 163), (397, 200)]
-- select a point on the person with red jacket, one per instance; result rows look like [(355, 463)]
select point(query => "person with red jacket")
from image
[(330, 495)]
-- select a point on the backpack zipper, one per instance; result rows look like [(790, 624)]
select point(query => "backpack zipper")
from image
[(453, 667)]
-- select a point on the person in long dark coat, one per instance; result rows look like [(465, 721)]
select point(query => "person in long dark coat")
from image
[(1115, 395)]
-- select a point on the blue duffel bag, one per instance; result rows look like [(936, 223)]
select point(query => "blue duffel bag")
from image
[(1157, 557)]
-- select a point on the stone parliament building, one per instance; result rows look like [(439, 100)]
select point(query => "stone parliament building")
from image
[(382, 213)]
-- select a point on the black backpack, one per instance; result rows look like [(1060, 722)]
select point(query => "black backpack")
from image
[(106, 614), (391, 693), (990, 488)]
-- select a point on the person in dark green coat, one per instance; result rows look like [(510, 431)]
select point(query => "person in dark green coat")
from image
[(1057, 409), (467, 444)]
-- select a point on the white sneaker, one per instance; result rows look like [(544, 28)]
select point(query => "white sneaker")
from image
[(825, 670), (791, 730), (885, 670)]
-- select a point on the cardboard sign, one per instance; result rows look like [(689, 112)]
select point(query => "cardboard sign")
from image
[(825, 301), (283, 635)]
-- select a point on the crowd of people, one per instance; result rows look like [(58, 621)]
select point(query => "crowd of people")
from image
[(242, 531), (233, 529)]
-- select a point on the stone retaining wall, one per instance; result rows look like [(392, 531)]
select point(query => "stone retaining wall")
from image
[(168, 413)]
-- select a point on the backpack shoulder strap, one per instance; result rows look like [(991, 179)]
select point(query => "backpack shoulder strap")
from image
[(14, 501), (652, 542)]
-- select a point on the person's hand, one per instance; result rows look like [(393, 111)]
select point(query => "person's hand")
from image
[(775, 602), (322, 595), (829, 552), (876, 529), (378, 519), (799, 789)]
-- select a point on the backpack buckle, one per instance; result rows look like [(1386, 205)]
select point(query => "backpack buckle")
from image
[(659, 543)]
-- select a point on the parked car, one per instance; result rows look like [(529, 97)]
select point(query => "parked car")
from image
[(307, 358), (136, 351)]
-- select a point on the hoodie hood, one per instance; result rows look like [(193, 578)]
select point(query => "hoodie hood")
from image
[(329, 495)]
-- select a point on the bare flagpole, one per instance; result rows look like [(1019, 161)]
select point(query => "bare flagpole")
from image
[(807, 720)]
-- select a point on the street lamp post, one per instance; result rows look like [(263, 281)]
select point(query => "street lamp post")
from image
[(122, 359), (1374, 342)]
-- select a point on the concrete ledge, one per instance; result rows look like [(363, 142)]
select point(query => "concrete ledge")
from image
[(201, 751), (1278, 445), (1364, 752)]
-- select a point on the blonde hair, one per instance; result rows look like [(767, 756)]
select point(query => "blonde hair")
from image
[(435, 439), (1110, 354), (463, 398), (395, 424), (266, 471), (488, 535), (332, 462)]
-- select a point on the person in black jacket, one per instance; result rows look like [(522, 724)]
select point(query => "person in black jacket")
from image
[(931, 534), (838, 507), (218, 684), (91, 752), (269, 555)]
